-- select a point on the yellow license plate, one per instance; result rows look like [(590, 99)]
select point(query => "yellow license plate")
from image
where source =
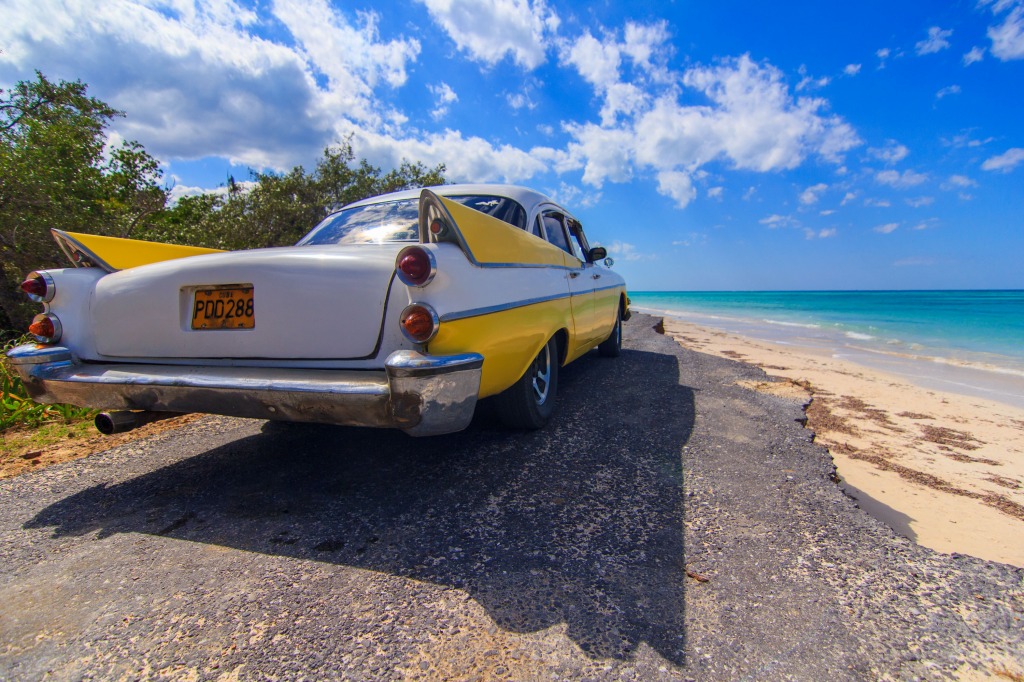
[(224, 307)]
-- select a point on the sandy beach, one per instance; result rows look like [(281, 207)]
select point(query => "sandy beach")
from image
[(942, 469)]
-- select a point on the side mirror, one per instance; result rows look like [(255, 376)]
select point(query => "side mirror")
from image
[(597, 253)]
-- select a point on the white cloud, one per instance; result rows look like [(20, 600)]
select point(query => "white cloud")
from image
[(1008, 37), (809, 82), (850, 196), (958, 181), (820, 234), (827, 212), (851, 69), (811, 194), (602, 62), (716, 193), (627, 251), (892, 152), (490, 30), (678, 185), (877, 203), (950, 90), (935, 42), (888, 228), (199, 82), (975, 55), (468, 159), (775, 220), (919, 202), (443, 97), (1006, 161), (899, 180)]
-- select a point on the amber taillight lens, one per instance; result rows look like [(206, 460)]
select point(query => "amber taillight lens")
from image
[(39, 287), (419, 322), (46, 328), (415, 266)]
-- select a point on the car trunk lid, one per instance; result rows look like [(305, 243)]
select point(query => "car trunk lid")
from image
[(317, 303)]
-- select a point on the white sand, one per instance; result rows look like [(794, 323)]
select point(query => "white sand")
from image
[(942, 469)]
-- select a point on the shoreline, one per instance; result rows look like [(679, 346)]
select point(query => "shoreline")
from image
[(943, 469), (972, 373)]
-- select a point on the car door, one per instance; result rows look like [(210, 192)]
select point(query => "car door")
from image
[(580, 275)]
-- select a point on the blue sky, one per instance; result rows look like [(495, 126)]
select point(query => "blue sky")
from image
[(709, 146)]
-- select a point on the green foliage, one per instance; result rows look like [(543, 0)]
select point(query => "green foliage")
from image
[(57, 171), (277, 209), (17, 409), (54, 173)]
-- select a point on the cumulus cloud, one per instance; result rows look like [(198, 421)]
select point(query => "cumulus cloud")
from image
[(936, 41), (820, 234), (945, 92), (1006, 161), (197, 81), (893, 152), (811, 194), (920, 201), (627, 251), (958, 182), (888, 228), (444, 96), (899, 180), (975, 55), (490, 30), (1008, 36), (678, 185), (851, 69)]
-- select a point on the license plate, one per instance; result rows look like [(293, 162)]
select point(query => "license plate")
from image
[(224, 307)]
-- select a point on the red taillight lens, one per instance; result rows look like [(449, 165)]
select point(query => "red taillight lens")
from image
[(419, 322), (415, 266), (45, 328), (39, 287)]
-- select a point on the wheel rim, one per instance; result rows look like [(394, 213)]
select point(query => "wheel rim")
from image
[(542, 376)]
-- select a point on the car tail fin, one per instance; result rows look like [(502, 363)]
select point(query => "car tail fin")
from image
[(113, 253)]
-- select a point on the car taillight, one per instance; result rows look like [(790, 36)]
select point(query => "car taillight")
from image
[(415, 266), (45, 328), (419, 322), (39, 287)]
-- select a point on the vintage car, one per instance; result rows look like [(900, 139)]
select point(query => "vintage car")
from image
[(398, 311)]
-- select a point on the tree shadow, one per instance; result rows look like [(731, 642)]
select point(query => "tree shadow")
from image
[(580, 523)]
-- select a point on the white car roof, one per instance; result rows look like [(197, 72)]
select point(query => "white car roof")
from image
[(527, 198)]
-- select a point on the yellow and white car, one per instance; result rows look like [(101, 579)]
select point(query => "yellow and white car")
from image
[(398, 311)]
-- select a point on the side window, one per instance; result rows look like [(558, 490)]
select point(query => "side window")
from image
[(577, 241), (535, 228), (554, 231)]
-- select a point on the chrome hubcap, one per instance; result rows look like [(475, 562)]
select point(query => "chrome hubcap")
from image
[(542, 376)]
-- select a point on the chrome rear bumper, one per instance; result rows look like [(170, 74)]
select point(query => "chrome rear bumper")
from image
[(421, 394)]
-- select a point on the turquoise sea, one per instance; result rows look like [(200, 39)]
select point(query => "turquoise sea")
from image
[(968, 342)]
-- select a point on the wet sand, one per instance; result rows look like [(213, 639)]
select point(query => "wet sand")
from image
[(942, 469)]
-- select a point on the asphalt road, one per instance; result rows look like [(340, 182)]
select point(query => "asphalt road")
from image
[(668, 524)]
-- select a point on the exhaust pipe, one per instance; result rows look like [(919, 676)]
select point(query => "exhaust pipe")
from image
[(109, 423)]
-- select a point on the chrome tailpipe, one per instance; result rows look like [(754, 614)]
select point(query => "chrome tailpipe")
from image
[(109, 423)]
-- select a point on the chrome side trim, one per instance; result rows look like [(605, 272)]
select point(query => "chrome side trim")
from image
[(501, 307)]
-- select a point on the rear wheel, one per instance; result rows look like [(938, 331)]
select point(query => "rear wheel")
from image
[(529, 403), (612, 346)]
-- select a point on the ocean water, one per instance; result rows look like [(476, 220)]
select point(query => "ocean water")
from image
[(968, 342)]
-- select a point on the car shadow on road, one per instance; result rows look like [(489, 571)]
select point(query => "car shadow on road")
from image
[(580, 523)]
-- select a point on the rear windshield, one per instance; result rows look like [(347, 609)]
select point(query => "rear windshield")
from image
[(398, 221)]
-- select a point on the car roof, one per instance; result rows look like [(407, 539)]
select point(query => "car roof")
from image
[(527, 198)]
